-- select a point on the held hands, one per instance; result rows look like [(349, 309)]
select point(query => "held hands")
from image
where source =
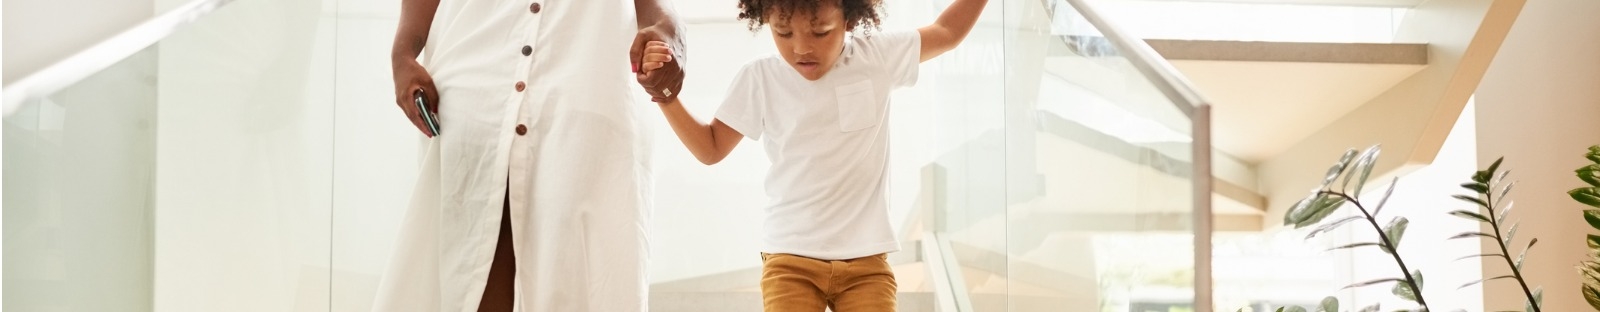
[(657, 55), (657, 59)]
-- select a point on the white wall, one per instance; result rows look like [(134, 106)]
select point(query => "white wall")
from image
[(38, 33), (1539, 106), (244, 160)]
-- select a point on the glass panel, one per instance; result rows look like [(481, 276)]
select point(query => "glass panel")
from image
[(79, 210), (1097, 173), (192, 176)]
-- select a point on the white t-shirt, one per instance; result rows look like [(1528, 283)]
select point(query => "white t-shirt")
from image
[(828, 141)]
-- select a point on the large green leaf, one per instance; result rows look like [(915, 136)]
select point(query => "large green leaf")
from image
[(1589, 174), (1470, 215), (1481, 280), (1297, 212), (1329, 304), (1476, 187), (1471, 199), (1594, 154), (1395, 231), (1593, 216), (1364, 167), (1330, 226), (1321, 209), (1586, 195), (1494, 167)]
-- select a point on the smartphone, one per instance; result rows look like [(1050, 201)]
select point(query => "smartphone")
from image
[(427, 114)]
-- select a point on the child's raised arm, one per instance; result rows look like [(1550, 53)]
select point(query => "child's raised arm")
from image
[(952, 27)]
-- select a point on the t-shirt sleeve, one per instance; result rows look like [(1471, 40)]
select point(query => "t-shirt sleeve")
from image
[(741, 109), (899, 53)]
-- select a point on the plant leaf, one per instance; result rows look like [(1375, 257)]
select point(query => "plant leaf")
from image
[(1482, 280), (1524, 253), (1395, 231), (1337, 168), (1330, 226), (1470, 199), (1376, 281), (1538, 299), (1476, 187), (1511, 234), (1494, 167), (1590, 174), (1586, 195), (1404, 291), (1321, 210), (1297, 212), (1594, 242), (1593, 216), (1364, 165), (1370, 308), (1385, 199), (1478, 255), (1592, 295), (1329, 304), (1470, 215), (1505, 211), (1506, 189), (1471, 234), (1358, 245)]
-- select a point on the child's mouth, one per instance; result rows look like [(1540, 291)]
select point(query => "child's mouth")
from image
[(806, 66)]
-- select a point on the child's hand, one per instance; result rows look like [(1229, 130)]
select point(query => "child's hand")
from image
[(656, 56)]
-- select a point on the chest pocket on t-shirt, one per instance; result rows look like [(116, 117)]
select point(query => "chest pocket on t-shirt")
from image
[(858, 106)]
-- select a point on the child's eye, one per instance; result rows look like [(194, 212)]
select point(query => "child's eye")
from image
[(785, 34), (821, 34)]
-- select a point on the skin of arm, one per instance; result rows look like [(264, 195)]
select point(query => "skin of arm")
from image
[(951, 28)]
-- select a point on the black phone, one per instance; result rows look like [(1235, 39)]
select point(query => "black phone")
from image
[(427, 115)]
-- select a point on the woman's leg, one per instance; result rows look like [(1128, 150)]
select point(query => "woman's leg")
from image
[(500, 292)]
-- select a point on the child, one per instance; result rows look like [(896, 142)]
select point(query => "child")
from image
[(822, 105)]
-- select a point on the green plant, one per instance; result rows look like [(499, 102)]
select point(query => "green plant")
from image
[(1590, 196), (1493, 210), (1325, 200), (1489, 196)]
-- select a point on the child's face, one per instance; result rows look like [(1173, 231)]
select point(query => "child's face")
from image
[(810, 42)]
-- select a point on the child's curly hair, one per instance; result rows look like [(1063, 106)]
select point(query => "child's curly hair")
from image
[(858, 14)]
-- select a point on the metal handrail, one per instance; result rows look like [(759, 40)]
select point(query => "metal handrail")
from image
[(103, 55)]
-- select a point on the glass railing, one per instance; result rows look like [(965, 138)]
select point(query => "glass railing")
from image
[(251, 159), (1069, 180), (192, 171)]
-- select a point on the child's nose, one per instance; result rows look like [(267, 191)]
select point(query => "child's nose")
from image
[(802, 47)]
